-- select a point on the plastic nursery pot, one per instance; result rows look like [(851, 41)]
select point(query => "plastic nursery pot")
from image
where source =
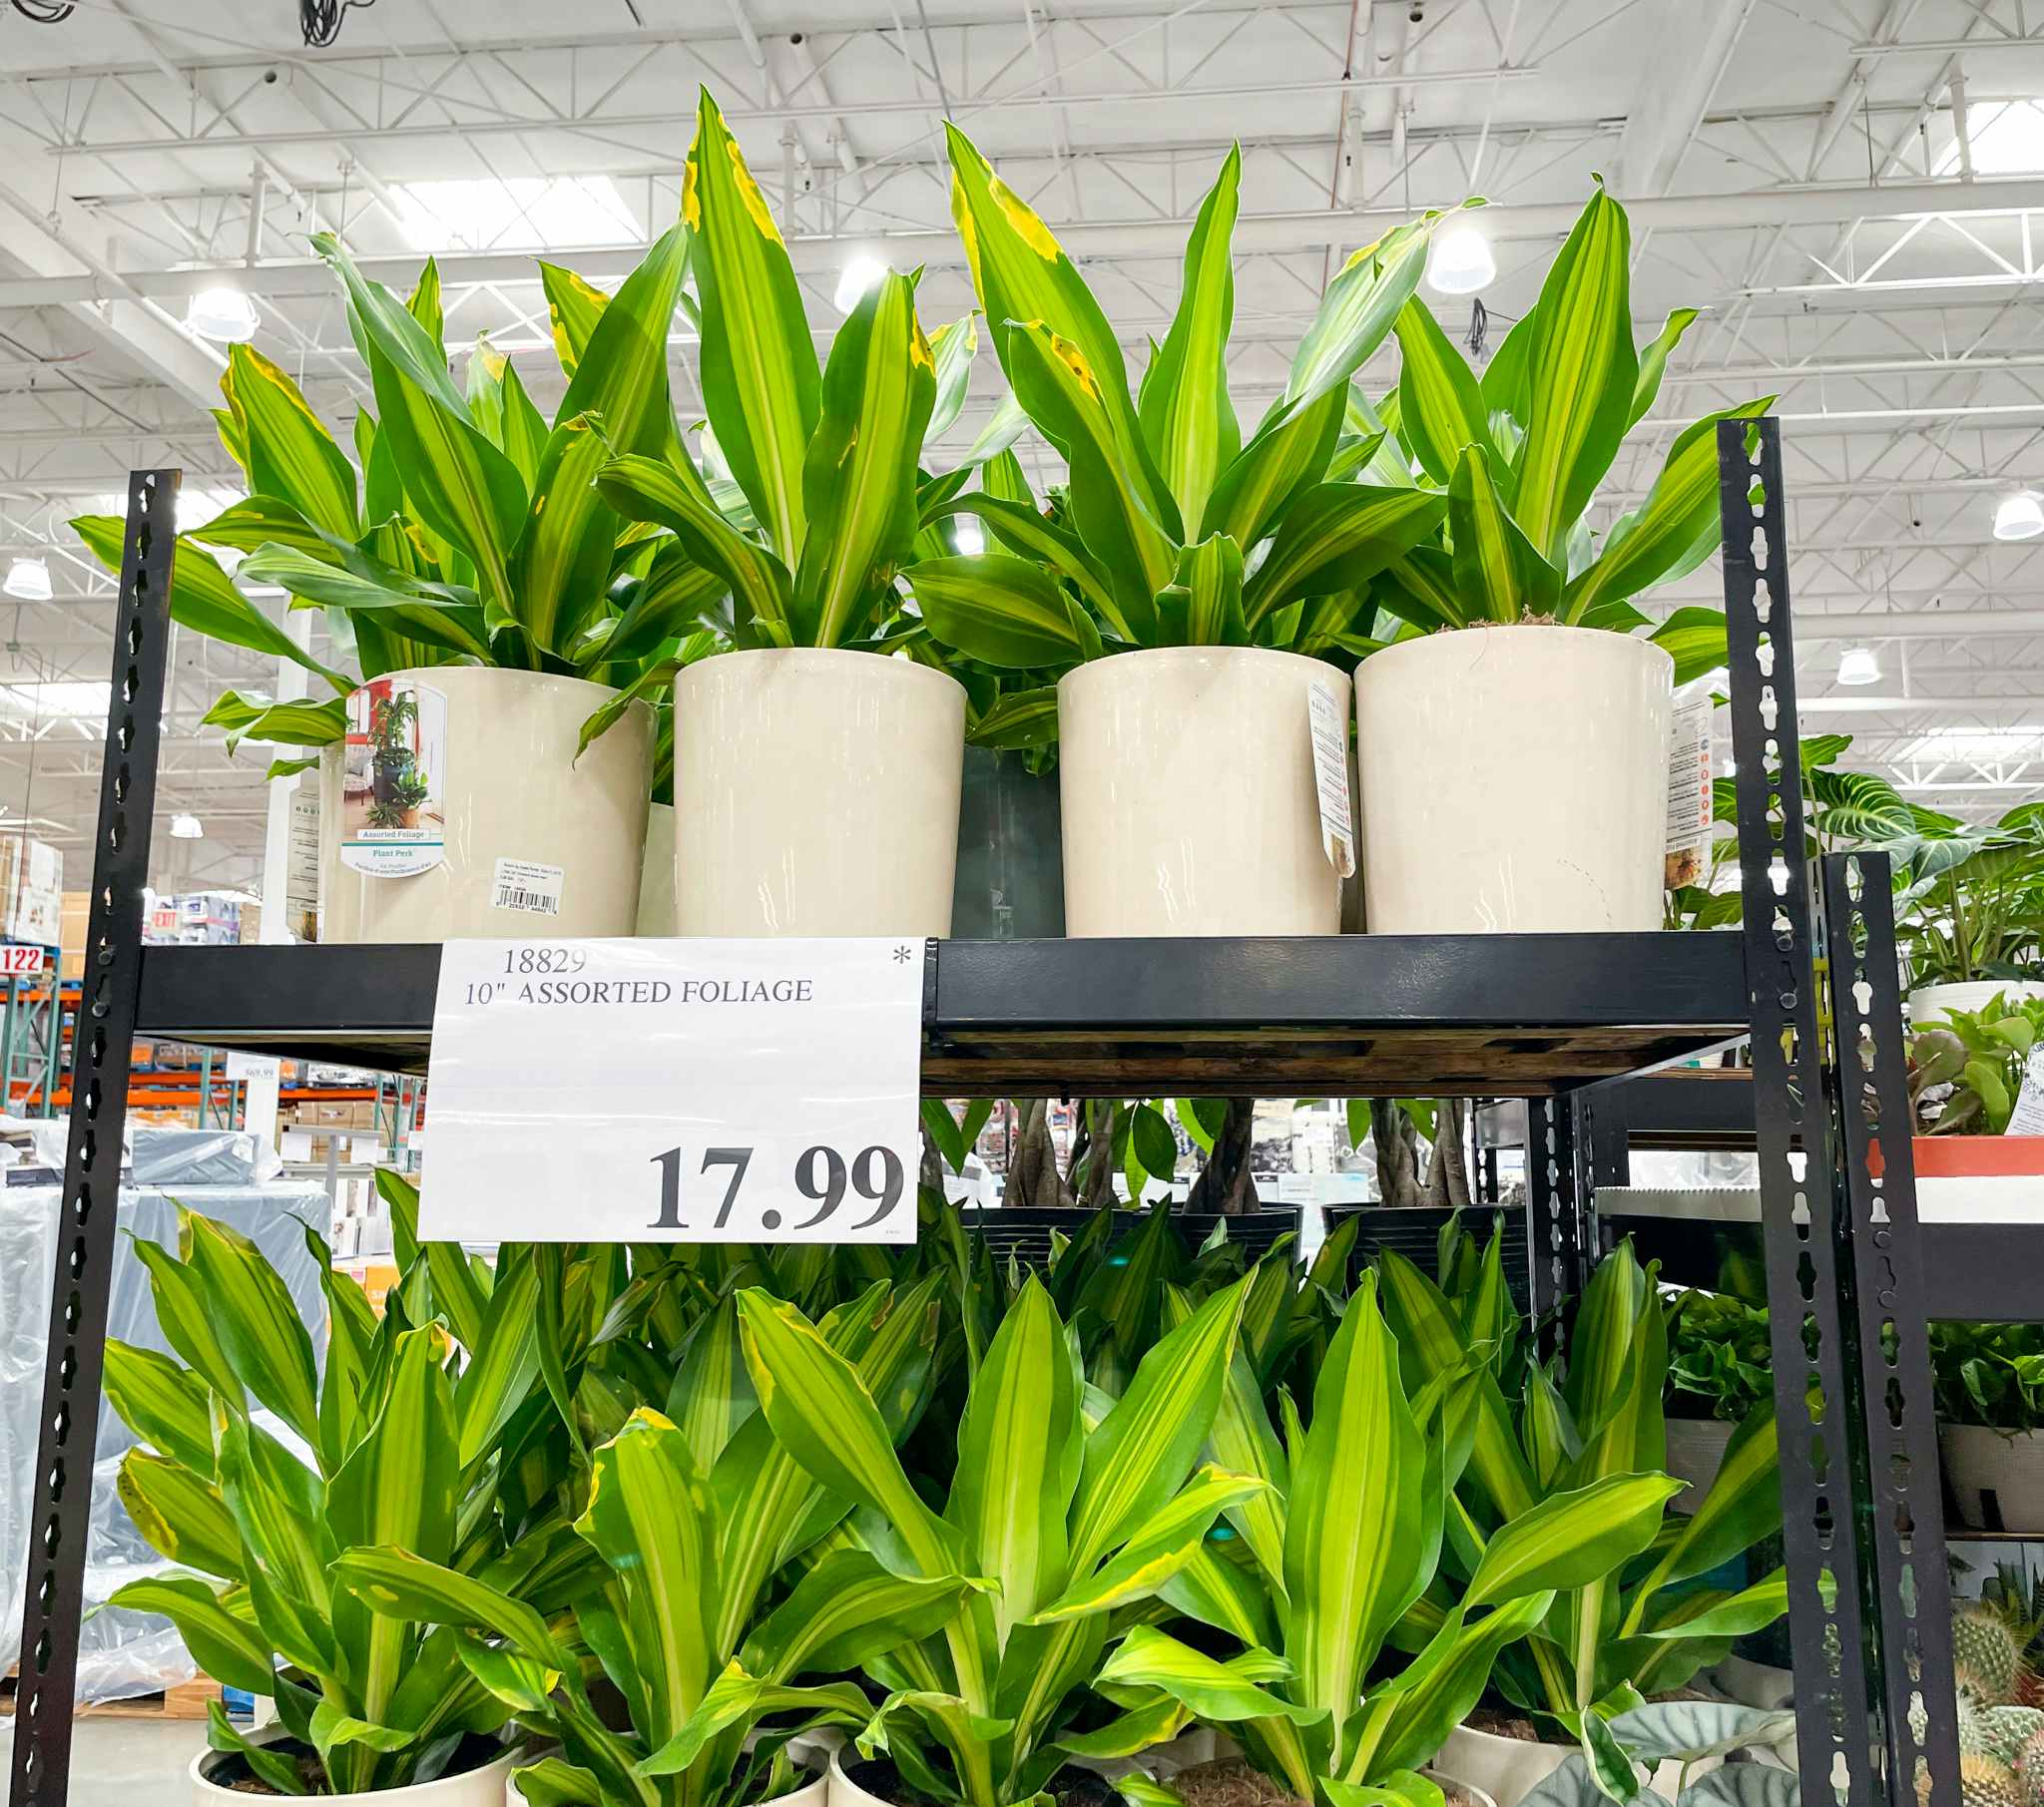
[(514, 837), (1186, 777), (657, 873), (815, 793), (1996, 1480), (1928, 1004), (1507, 1769), (485, 1786), (1514, 779), (1696, 1451), (1011, 873)]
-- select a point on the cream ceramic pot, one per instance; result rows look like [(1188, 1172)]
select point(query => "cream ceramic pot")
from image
[(1186, 786), (1928, 1002), (1997, 1481), (657, 875), (1696, 1451), (484, 1787), (1507, 1769), (517, 816), (815, 793), (1514, 779)]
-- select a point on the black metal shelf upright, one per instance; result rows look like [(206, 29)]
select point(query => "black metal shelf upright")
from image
[(1560, 1021)]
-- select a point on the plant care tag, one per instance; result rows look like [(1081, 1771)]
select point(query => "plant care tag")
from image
[(523, 884), (2027, 1118), (684, 1090), (1330, 777), (1689, 789), (393, 779)]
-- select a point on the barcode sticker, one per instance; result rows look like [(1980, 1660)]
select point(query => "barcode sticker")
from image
[(523, 884), (1689, 775), (1331, 777)]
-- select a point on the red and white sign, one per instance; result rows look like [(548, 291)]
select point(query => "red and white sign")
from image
[(20, 962)]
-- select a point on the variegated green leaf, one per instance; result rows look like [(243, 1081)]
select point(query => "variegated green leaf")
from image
[(1654, 358), (1018, 719), (1570, 1539), (290, 454), (859, 482), (163, 1404), (503, 1365), (1212, 1689), (760, 382), (573, 309), (1440, 407), (1497, 568), (844, 1611), (1203, 607), (645, 489), (1581, 372), (1002, 612), (222, 1644), (398, 1585), (434, 614), (1032, 535), (261, 1329), (181, 1516), (952, 346), (1186, 414), (561, 563), (1339, 535)]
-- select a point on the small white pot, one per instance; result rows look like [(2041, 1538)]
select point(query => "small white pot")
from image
[(1514, 779), (1929, 1003), (484, 1787), (498, 751), (1997, 1482), (1186, 786), (1696, 1451), (1508, 1769), (840, 1790), (815, 793), (656, 876)]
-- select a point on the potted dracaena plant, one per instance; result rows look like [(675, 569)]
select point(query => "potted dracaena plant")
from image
[(1619, 1633), (1181, 666), (817, 785), (1510, 706), (472, 571)]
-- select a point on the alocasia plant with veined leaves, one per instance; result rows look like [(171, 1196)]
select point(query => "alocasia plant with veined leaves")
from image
[(1624, 1625), (1521, 452), (1336, 1568), (1172, 530), (473, 531), (1068, 1510)]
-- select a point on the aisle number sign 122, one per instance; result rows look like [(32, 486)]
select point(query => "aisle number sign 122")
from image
[(692, 1091)]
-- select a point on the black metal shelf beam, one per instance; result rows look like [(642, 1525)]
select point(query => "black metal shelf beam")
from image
[(1358, 1016)]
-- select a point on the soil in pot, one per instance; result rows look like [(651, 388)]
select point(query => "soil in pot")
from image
[(232, 1773), (1067, 1788), (1235, 1784), (1501, 1724)]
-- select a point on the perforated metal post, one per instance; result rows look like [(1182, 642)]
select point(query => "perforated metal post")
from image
[(101, 1045), (1556, 1234), (1814, 1362), (1906, 1519)]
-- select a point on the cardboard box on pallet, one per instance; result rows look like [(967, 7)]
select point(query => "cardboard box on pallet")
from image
[(31, 890)]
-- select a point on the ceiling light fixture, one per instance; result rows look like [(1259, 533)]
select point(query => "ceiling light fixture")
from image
[(185, 828), (1461, 262), (2019, 517), (27, 578), (225, 315), (1856, 665), (861, 272)]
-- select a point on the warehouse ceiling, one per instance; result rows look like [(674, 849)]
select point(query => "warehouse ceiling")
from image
[(1852, 192)]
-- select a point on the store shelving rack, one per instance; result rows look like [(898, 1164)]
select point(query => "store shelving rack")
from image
[(1538, 1016)]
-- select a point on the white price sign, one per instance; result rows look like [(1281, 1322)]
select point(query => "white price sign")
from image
[(18, 960), (684, 1090)]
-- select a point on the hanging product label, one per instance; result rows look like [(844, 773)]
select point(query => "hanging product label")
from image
[(393, 784), (1330, 729), (2027, 1118), (686, 1091), (301, 864), (523, 884), (1690, 814)]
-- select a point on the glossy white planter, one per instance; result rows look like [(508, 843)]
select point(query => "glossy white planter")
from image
[(657, 875), (1997, 1482), (815, 793), (484, 1787), (1696, 1451), (1928, 1002), (1185, 784), (1514, 779), (515, 791), (1507, 1769)]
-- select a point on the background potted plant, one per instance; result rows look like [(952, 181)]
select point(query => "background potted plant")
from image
[(1182, 666), (1719, 1366), (1969, 910), (815, 784), (1989, 1380), (1524, 677)]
